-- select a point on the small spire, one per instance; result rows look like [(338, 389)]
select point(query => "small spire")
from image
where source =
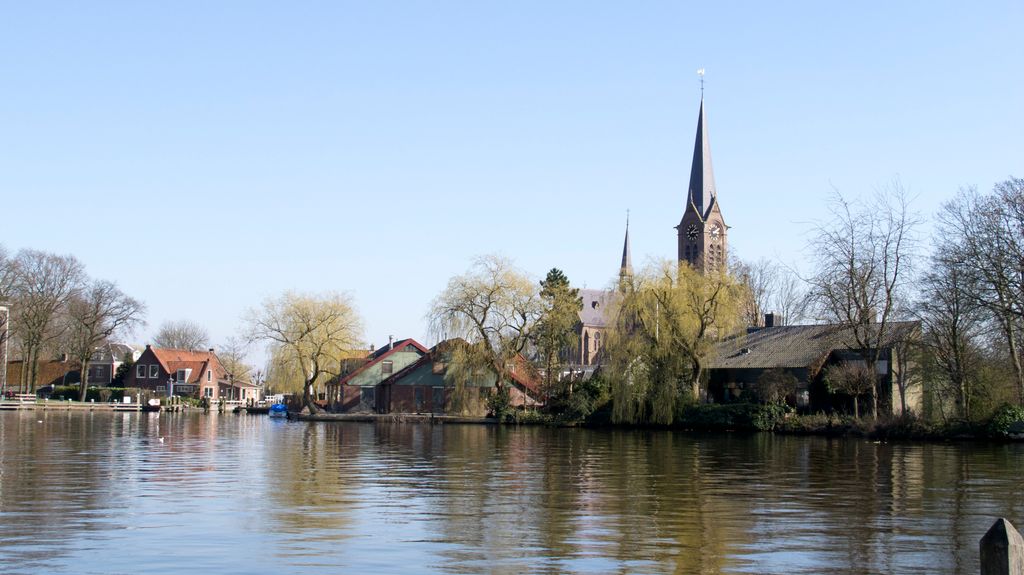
[(626, 268)]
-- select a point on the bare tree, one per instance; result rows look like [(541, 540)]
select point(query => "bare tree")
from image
[(863, 255), (791, 298), (986, 237), (759, 279), (853, 379), (99, 311), (232, 355), (952, 321), (494, 308), (6, 284), (314, 332), (182, 334), (774, 385), (771, 287), (43, 283)]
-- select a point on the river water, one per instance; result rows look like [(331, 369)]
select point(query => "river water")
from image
[(176, 493)]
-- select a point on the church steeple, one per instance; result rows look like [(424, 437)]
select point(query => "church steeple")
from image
[(626, 268), (702, 177), (702, 231)]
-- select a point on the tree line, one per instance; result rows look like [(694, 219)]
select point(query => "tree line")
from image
[(871, 273), (55, 307)]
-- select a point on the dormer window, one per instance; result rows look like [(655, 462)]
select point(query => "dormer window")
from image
[(181, 376)]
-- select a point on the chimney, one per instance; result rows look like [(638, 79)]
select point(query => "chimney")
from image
[(148, 346), (391, 342), (773, 320), (211, 350), (372, 348)]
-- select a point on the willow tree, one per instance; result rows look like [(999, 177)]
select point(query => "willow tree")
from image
[(664, 326), (493, 307), (312, 332)]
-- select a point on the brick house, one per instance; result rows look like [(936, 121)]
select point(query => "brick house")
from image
[(105, 361), (197, 374), (422, 387), (355, 390)]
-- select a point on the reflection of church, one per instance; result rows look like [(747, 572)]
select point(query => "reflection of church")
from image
[(702, 243)]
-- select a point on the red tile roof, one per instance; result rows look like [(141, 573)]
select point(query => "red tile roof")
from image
[(171, 360)]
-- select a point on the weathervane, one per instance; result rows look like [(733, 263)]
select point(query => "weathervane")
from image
[(700, 72)]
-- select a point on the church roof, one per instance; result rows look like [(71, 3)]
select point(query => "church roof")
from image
[(702, 192), (595, 303)]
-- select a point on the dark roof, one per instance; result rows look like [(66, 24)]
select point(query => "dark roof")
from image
[(792, 346), (702, 193), (111, 352)]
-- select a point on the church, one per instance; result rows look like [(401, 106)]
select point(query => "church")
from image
[(738, 363), (702, 243)]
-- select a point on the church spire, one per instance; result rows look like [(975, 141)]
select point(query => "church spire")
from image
[(626, 268), (702, 177)]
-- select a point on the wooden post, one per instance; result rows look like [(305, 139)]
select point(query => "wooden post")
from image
[(1002, 550)]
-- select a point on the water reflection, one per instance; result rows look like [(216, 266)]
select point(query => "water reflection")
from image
[(148, 493)]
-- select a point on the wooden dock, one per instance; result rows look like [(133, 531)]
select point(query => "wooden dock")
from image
[(17, 405)]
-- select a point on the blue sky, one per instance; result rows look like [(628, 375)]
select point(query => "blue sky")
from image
[(207, 155)]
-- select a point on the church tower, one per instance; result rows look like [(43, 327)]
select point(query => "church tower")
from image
[(702, 231)]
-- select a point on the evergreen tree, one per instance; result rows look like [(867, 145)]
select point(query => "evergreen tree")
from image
[(555, 333)]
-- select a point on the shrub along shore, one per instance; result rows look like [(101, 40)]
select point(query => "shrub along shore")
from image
[(1006, 424)]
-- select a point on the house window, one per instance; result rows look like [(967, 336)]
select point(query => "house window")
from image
[(161, 388), (209, 375), (437, 368), (366, 396), (154, 371), (180, 375), (140, 371), (208, 392), (437, 398), (387, 367)]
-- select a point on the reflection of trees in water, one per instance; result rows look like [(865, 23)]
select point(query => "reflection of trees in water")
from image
[(310, 491), (56, 475), (572, 500)]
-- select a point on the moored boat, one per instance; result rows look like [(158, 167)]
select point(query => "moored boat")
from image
[(278, 410)]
